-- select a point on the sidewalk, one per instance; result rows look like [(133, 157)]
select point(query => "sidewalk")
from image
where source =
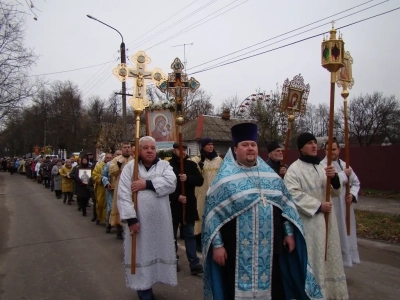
[(382, 205)]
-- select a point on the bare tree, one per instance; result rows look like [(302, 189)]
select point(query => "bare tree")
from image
[(374, 117), (15, 60), (269, 118), (233, 105), (196, 104)]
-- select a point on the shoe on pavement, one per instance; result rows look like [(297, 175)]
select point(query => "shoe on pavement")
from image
[(196, 270), (108, 229), (93, 219)]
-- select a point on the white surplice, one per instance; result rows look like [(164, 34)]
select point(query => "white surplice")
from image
[(307, 184), (348, 242), (155, 250)]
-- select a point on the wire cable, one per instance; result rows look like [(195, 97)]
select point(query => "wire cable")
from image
[(283, 34), (276, 42), (72, 70), (296, 42), (190, 26), (161, 23), (174, 24)]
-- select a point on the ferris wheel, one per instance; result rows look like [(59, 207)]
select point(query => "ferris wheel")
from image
[(244, 110)]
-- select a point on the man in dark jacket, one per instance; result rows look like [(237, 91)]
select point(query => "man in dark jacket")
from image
[(191, 178), (275, 155), (45, 168)]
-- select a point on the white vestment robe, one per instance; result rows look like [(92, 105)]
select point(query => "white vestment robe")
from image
[(348, 242), (155, 250), (307, 184)]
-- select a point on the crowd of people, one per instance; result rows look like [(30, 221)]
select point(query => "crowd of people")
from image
[(259, 224)]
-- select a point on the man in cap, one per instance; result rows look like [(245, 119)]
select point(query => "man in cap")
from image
[(190, 178), (209, 163), (275, 157), (306, 181), (348, 243), (251, 250)]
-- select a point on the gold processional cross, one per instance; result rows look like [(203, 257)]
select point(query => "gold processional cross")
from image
[(139, 103)]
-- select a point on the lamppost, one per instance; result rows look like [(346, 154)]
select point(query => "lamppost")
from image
[(123, 61)]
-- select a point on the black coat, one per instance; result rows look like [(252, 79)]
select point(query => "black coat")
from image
[(80, 189), (194, 178)]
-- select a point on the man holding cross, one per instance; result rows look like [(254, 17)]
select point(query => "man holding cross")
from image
[(150, 221)]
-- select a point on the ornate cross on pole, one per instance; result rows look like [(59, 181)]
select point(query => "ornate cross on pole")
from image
[(139, 103), (178, 85)]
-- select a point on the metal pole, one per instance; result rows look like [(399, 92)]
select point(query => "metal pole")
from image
[(124, 124), (123, 61)]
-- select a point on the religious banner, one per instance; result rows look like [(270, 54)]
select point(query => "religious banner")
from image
[(160, 125)]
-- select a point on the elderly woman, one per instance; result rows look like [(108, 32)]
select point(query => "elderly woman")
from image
[(55, 172), (67, 183)]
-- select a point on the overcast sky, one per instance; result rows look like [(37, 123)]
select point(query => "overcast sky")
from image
[(66, 39)]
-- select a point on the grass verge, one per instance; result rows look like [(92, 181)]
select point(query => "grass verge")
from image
[(380, 194), (379, 226)]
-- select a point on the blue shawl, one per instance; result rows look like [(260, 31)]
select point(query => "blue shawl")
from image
[(235, 193)]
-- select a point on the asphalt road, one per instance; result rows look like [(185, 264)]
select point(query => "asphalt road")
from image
[(49, 251)]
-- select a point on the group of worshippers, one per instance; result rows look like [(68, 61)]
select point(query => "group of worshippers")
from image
[(263, 232)]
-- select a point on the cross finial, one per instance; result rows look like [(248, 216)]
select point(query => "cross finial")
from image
[(333, 24)]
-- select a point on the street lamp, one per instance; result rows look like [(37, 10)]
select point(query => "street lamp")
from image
[(123, 61)]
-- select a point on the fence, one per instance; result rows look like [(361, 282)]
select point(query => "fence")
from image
[(376, 167)]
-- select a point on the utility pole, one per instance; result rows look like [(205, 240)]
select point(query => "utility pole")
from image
[(184, 52), (123, 92)]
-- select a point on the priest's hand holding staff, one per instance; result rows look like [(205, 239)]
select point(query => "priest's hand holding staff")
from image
[(134, 229)]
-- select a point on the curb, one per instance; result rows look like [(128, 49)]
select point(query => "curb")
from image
[(394, 248)]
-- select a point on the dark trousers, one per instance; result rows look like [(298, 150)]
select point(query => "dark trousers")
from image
[(82, 203), (190, 242), (58, 194), (68, 195), (46, 181), (145, 294)]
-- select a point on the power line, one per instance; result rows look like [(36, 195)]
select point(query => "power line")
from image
[(296, 42), (92, 79), (72, 70), (190, 27), (283, 34), (176, 23), (101, 76), (161, 23), (276, 42)]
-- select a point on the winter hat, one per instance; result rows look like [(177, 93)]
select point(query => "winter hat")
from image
[(304, 138), (273, 146), (205, 141)]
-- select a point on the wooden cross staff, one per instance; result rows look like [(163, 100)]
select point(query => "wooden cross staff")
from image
[(178, 85), (139, 103)]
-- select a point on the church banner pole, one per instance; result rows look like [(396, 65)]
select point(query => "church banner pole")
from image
[(345, 94), (344, 79), (139, 103), (332, 52), (293, 104)]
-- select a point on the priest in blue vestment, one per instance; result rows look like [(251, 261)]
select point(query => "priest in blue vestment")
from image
[(253, 238)]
